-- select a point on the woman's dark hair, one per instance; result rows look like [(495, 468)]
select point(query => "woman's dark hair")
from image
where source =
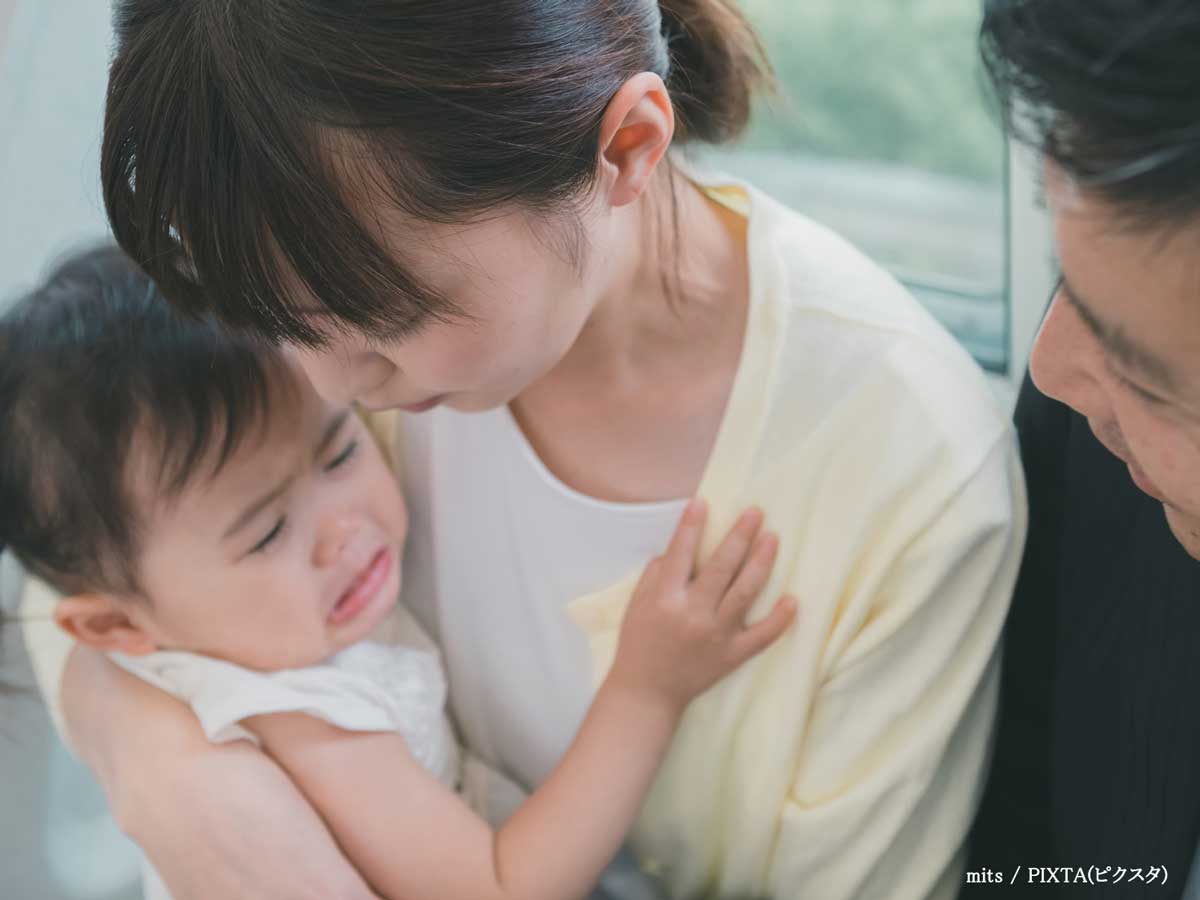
[(1110, 91), (241, 139), (98, 374)]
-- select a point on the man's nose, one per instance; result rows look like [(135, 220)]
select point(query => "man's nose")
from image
[(336, 533), (1067, 362)]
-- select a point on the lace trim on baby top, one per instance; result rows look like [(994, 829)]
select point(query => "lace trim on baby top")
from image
[(367, 687)]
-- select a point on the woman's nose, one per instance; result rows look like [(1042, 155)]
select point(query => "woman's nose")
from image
[(1067, 362), (336, 533)]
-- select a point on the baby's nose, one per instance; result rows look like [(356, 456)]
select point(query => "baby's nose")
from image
[(336, 533)]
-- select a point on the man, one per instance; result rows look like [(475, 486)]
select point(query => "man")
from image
[(1097, 760)]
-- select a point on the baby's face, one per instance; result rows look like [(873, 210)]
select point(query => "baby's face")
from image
[(291, 553)]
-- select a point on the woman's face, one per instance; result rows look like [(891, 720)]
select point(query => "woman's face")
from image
[(524, 302), (525, 284)]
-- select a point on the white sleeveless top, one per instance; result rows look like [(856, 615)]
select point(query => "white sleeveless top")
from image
[(514, 547), (397, 686)]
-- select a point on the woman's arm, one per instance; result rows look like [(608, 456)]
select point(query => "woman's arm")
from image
[(414, 839), (885, 784), (216, 821)]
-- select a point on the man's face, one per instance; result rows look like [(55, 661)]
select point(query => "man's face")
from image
[(1121, 346)]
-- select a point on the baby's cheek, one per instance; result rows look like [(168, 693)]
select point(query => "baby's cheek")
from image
[(395, 515)]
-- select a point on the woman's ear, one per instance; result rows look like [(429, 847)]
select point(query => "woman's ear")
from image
[(98, 620), (634, 135)]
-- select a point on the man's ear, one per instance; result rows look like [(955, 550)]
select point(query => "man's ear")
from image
[(635, 132), (100, 621)]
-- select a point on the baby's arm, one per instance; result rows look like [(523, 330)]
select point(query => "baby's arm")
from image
[(413, 839), (153, 761)]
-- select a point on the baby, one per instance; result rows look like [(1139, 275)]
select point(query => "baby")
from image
[(225, 534)]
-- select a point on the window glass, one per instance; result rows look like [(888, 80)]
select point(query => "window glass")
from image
[(882, 129)]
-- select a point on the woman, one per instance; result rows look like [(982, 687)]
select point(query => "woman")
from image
[(466, 209)]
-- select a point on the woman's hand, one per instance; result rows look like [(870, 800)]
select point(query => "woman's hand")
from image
[(685, 627), (215, 820)]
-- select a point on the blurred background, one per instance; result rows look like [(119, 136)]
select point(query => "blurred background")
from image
[(881, 130)]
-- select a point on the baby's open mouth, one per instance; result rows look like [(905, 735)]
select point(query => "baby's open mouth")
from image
[(363, 589)]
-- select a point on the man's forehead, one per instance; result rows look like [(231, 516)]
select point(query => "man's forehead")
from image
[(1136, 289)]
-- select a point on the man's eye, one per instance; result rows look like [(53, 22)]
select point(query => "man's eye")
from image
[(342, 457), (270, 537), (1140, 392)]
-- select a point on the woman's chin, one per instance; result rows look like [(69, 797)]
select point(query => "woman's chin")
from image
[(477, 403)]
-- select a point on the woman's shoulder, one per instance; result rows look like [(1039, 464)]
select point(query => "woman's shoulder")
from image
[(817, 272), (851, 345), (811, 267)]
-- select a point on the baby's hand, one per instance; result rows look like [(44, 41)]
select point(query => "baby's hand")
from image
[(683, 633)]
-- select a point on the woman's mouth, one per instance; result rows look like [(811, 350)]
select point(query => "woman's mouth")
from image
[(363, 589)]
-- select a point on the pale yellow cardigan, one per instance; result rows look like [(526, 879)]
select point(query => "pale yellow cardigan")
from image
[(847, 760)]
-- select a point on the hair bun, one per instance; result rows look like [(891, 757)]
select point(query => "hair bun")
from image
[(717, 65)]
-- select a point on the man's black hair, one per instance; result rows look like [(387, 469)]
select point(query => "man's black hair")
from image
[(1110, 91)]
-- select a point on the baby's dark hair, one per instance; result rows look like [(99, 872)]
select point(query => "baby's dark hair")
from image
[(108, 396)]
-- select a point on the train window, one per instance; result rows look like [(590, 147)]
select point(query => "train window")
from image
[(882, 129)]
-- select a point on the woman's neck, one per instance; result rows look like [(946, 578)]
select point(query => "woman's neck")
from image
[(633, 411), (677, 284)]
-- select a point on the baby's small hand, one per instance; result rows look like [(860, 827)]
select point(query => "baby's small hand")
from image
[(683, 633)]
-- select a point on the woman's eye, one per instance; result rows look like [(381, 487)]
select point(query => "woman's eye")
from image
[(270, 537), (342, 457)]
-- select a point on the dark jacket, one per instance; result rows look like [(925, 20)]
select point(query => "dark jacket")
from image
[(1097, 760)]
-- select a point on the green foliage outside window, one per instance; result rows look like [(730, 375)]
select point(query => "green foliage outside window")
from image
[(882, 80)]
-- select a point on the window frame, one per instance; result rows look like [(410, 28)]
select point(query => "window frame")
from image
[(1032, 271)]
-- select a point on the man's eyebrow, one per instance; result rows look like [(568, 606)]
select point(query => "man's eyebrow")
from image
[(256, 507), (331, 430), (1117, 342)]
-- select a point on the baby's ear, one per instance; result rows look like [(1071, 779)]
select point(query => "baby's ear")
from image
[(100, 621)]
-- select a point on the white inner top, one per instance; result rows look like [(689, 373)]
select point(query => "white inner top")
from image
[(514, 546)]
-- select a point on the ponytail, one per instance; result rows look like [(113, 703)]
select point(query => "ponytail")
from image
[(717, 65)]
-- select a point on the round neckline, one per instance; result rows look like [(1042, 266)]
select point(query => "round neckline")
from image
[(567, 492)]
